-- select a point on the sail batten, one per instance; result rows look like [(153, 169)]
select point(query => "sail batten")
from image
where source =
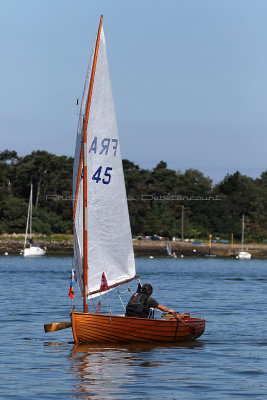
[(109, 239)]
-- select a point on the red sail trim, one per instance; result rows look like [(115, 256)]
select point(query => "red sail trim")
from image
[(113, 286)]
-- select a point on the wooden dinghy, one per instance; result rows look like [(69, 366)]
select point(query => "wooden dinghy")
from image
[(97, 328), (103, 248)]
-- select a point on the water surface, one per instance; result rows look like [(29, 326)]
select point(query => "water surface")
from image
[(228, 361)]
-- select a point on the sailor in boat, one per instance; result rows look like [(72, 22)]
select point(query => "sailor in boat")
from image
[(140, 304)]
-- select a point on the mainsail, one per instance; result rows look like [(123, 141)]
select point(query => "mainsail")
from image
[(109, 239), (169, 249)]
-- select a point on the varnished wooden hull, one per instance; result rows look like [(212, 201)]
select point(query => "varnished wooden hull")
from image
[(97, 328)]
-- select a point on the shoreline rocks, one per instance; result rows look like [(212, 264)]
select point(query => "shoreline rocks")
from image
[(145, 247)]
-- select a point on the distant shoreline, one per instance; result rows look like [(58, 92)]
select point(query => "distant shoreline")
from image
[(189, 249), (145, 247)]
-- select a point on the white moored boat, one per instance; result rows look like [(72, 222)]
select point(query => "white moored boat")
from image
[(243, 255), (35, 249)]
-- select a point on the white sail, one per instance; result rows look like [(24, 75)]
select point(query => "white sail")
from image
[(109, 243), (169, 249), (78, 219), (78, 237)]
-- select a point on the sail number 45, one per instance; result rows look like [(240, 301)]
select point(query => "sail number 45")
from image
[(106, 176)]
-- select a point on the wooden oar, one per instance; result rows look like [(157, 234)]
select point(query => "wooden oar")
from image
[(57, 326)]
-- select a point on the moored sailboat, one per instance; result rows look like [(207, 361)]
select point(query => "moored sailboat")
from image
[(35, 249), (170, 253), (243, 255), (103, 250)]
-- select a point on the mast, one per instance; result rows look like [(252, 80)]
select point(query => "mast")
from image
[(27, 224), (31, 213), (182, 225), (84, 146), (243, 223)]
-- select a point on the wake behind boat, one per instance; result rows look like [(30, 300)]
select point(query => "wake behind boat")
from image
[(103, 249)]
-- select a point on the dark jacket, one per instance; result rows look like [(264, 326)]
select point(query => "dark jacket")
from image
[(139, 305)]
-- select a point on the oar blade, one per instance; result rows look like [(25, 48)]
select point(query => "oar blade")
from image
[(57, 326)]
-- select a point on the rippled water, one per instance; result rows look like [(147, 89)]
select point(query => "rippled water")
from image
[(228, 361)]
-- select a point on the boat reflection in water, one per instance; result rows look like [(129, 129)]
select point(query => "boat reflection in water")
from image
[(107, 371)]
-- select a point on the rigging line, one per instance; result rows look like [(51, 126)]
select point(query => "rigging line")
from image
[(124, 291), (121, 299), (77, 258), (128, 288), (108, 302), (92, 300)]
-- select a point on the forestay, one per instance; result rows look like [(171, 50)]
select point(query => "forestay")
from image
[(110, 247)]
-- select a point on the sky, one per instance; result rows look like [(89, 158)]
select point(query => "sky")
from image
[(189, 79)]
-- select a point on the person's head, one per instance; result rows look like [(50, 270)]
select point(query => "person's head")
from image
[(147, 289)]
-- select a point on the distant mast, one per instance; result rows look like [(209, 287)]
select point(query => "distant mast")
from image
[(31, 213), (243, 223), (29, 218)]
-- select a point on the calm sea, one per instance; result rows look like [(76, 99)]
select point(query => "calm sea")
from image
[(228, 362)]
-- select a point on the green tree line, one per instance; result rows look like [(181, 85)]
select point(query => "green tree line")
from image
[(155, 199)]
